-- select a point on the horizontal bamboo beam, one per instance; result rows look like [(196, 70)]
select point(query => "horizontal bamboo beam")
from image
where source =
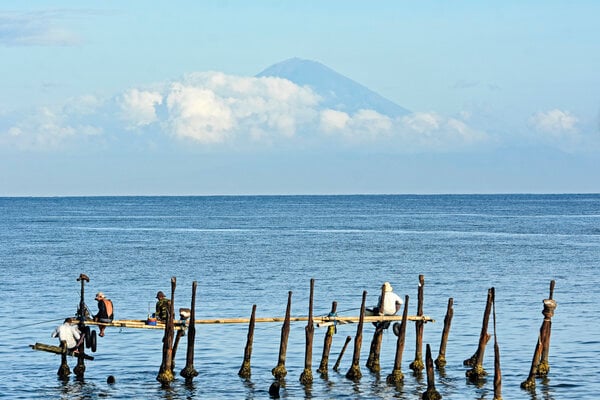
[(321, 321), (56, 350)]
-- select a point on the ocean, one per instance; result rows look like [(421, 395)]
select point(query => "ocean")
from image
[(246, 250)]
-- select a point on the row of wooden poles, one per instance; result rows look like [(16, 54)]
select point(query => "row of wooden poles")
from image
[(539, 366)]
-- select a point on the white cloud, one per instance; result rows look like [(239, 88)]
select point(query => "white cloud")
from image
[(138, 108), (554, 122)]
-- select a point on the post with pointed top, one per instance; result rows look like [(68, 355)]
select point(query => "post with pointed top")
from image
[(339, 359), (165, 374), (188, 372), (477, 372), (354, 371), (396, 376), (306, 377), (440, 361), (245, 370), (375, 349), (430, 393), (549, 306), (417, 365), (279, 372), (331, 330)]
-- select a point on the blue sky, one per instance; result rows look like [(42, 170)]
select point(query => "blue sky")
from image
[(159, 98)]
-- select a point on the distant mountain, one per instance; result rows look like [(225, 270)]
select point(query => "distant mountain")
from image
[(338, 92)]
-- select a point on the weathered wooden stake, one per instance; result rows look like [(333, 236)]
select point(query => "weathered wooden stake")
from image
[(417, 365), (327, 343), (336, 366), (63, 371), (477, 372), (397, 376), (79, 369), (543, 340), (375, 349), (354, 371), (497, 371), (549, 306), (180, 333), (306, 377), (245, 370), (165, 374), (279, 371), (188, 372), (430, 393), (440, 361)]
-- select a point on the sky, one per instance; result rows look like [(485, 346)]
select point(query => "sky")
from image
[(160, 98)]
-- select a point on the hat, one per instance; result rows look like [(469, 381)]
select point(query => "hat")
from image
[(99, 296), (387, 287), (160, 295)]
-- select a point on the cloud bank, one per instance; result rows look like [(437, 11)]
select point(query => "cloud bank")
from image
[(213, 109)]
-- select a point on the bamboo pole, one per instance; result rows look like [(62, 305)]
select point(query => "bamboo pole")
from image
[(396, 376), (165, 374), (336, 366), (375, 348), (306, 377), (440, 361), (477, 372), (245, 370), (430, 393), (331, 330), (188, 372), (279, 371), (354, 371), (417, 365)]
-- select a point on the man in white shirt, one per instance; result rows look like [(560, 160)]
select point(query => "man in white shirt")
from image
[(68, 333)]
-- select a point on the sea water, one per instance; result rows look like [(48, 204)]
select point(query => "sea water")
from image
[(254, 250)]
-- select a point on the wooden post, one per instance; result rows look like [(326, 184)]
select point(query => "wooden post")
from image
[(543, 339), (188, 372), (430, 393), (336, 366), (279, 371), (440, 361), (180, 333), (327, 343), (396, 376), (245, 370), (63, 371), (79, 369), (477, 372), (375, 349), (354, 371), (306, 377), (549, 306), (417, 365), (165, 374), (497, 371)]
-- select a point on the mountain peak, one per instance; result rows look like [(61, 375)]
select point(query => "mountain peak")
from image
[(338, 91)]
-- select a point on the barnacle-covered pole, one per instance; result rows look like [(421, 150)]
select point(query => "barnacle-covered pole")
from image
[(354, 371), (336, 366), (440, 361), (279, 371), (306, 377), (417, 365), (327, 343), (477, 372), (375, 349), (397, 376), (245, 370), (430, 393), (165, 374), (188, 372)]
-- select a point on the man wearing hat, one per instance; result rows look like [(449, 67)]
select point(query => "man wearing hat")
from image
[(163, 305), (105, 311)]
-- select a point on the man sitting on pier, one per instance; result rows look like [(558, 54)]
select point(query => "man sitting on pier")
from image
[(391, 305), (105, 312), (163, 305), (67, 332)]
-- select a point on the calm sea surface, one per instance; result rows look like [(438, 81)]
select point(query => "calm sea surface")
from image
[(253, 250)]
